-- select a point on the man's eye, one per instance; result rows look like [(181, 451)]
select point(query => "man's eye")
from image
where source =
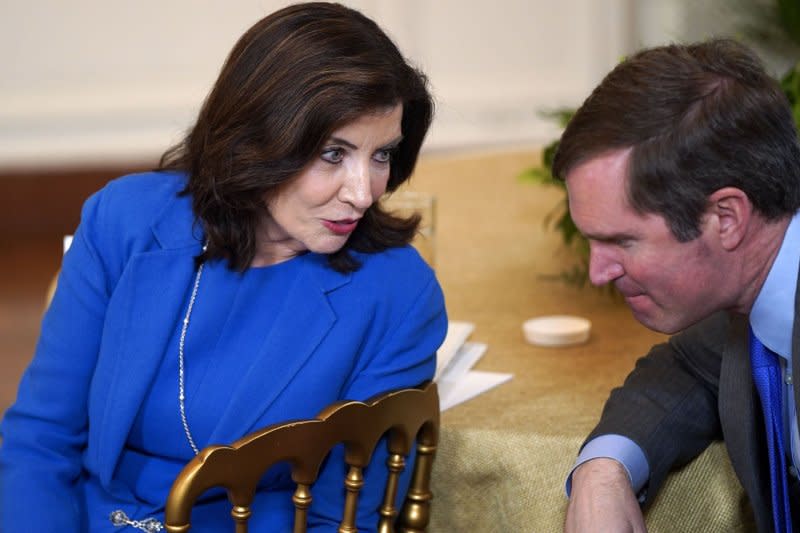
[(333, 155)]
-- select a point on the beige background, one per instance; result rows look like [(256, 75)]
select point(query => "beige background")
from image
[(92, 81)]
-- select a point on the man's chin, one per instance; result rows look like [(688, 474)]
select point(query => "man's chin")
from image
[(648, 314), (659, 323)]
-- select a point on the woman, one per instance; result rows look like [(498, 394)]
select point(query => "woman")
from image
[(252, 279)]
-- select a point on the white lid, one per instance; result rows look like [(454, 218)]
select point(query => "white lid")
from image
[(557, 330)]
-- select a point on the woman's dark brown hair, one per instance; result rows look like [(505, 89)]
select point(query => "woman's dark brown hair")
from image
[(289, 82)]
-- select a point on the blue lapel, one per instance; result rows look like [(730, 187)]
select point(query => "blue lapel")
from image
[(141, 317), (149, 299), (300, 326)]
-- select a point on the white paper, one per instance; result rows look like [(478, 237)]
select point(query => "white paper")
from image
[(468, 386), (455, 359), (465, 358), (457, 333)]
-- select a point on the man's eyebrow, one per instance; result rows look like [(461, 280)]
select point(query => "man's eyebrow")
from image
[(609, 237)]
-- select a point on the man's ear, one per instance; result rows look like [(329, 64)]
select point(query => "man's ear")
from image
[(732, 210)]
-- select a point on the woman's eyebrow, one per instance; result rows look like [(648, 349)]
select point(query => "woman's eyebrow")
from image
[(394, 142), (391, 144), (339, 140)]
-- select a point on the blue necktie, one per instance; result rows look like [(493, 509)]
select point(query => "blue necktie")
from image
[(767, 377)]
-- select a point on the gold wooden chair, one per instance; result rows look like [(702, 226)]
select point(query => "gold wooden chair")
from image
[(304, 444)]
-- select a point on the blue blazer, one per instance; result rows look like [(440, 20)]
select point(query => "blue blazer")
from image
[(121, 293)]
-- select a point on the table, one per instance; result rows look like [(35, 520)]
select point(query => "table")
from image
[(503, 456)]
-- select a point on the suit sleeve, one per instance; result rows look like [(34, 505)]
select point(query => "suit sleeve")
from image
[(44, 432), (668, 403), (404, 357)]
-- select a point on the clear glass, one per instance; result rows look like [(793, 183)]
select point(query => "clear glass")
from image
[(405, 203)]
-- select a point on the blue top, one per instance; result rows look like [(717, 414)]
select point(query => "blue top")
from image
[(96, 426), (218, 349)]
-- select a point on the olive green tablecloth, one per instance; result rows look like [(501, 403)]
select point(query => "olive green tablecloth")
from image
[(504, 455), (489, 480)]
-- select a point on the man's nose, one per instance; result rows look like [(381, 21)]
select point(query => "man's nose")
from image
[(604, 267)]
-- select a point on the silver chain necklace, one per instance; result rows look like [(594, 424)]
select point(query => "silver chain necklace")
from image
[(151, 525), (184, 327)]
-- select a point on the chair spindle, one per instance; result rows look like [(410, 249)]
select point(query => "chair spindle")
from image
[(240, 514), (353, 483), (396, 463), (416, 511), (302, 501)]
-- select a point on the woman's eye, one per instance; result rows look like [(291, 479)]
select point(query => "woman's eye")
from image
[(383, 156), (333, 155)]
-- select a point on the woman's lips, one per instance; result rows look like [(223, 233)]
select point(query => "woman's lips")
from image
[(341, 227)]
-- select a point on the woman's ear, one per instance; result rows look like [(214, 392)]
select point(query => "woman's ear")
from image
[(732, 210)]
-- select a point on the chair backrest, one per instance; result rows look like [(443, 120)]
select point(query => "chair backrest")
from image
[(51, 287), (304, 444)]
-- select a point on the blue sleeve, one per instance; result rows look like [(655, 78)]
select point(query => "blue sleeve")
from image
[(406, 357), (621, 449), (44, 432)]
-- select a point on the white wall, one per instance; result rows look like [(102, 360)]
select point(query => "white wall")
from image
[(94, 81)]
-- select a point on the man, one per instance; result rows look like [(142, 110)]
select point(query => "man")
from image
[(683, 171)]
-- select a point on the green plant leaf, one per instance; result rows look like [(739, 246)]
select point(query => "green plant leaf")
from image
[(560, 115), (548, 154), (789, 17), (537, 175)]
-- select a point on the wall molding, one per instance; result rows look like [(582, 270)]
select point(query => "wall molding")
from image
[(116, 126), (100, 91)]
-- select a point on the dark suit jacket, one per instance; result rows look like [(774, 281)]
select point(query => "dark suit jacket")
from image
[(694, 389)]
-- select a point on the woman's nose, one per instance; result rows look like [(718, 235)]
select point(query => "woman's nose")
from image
[(356, 189)]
